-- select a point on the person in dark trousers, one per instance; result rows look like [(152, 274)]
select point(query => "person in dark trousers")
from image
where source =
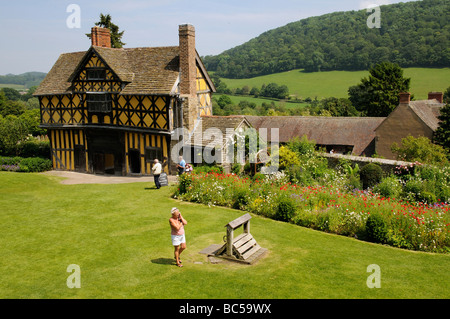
[(156, 170)]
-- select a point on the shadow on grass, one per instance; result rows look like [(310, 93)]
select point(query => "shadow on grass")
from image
[(163, 261), (151, 188)]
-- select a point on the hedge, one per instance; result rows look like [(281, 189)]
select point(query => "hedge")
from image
[(29, 164)]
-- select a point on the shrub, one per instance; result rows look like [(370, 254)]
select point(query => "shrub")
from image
[(427, 197), (323, 222), (413, 189), (30, 164), (370, 175), (353, 182), (389, 187), (287, 158), (406, 171), (436, 181), (259, 177), (240, 199), (10, 160), (247, 169), (35, 164), (285, 208), (294, 174), (376, 228), (317, 166), (420, 149), (208, 169), (35, 149), (184, 181), (236, 168), (397, 239), (302, 146)]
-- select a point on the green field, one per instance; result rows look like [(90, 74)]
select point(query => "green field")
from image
[(259, 101), (18, 87), (336, 83), (119, 236)]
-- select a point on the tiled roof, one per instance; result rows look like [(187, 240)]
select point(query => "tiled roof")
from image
[(145, 70), (57, 79), (356, 131), (428, 111), (155, 70), (117, 60)]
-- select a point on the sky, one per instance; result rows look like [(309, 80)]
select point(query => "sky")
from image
[(33, 33)]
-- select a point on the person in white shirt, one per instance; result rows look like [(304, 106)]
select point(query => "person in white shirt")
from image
[(156, 170)]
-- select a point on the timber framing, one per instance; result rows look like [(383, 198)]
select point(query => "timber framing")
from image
[(112, 111)]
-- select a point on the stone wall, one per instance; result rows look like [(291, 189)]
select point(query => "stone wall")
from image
[(386, 164)]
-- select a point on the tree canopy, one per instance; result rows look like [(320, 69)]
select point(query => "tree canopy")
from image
[(116, 36), (419, 149), (378, 94)]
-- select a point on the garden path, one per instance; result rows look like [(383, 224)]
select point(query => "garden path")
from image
[(71, 178)]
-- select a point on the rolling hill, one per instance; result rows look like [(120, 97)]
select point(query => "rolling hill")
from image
[(412, 34), (24, 80)]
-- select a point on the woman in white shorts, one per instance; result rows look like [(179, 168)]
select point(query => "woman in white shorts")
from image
[(177, 223)]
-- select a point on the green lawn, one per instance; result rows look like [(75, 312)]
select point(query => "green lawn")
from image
[(119, 236), (336, 83)]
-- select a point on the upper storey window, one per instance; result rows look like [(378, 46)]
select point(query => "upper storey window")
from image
[(96, 74), (99, 102)]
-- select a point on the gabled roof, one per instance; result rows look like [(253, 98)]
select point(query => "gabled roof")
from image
[(57, 79), (143, 70), (356, 131), (428, 112), (115, 60)]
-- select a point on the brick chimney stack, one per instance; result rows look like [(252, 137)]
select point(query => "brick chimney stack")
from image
[(188, 69), (405, 97), (188, 76), (101, 37), (436, 95)]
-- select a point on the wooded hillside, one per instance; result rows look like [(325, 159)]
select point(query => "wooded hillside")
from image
[(413, 34), (27, 79)]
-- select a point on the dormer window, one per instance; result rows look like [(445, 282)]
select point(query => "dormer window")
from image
[(96, 74)]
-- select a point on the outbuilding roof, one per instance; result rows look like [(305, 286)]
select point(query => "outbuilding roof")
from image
[(358, 132), (428, 111)]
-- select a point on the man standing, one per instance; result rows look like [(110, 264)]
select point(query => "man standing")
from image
[(177, 223), (156, 170)]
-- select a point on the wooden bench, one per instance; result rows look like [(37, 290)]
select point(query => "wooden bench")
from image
[(242, 248)]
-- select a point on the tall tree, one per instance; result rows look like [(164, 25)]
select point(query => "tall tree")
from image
[(442, 134), (116, 36), (378, 94)]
